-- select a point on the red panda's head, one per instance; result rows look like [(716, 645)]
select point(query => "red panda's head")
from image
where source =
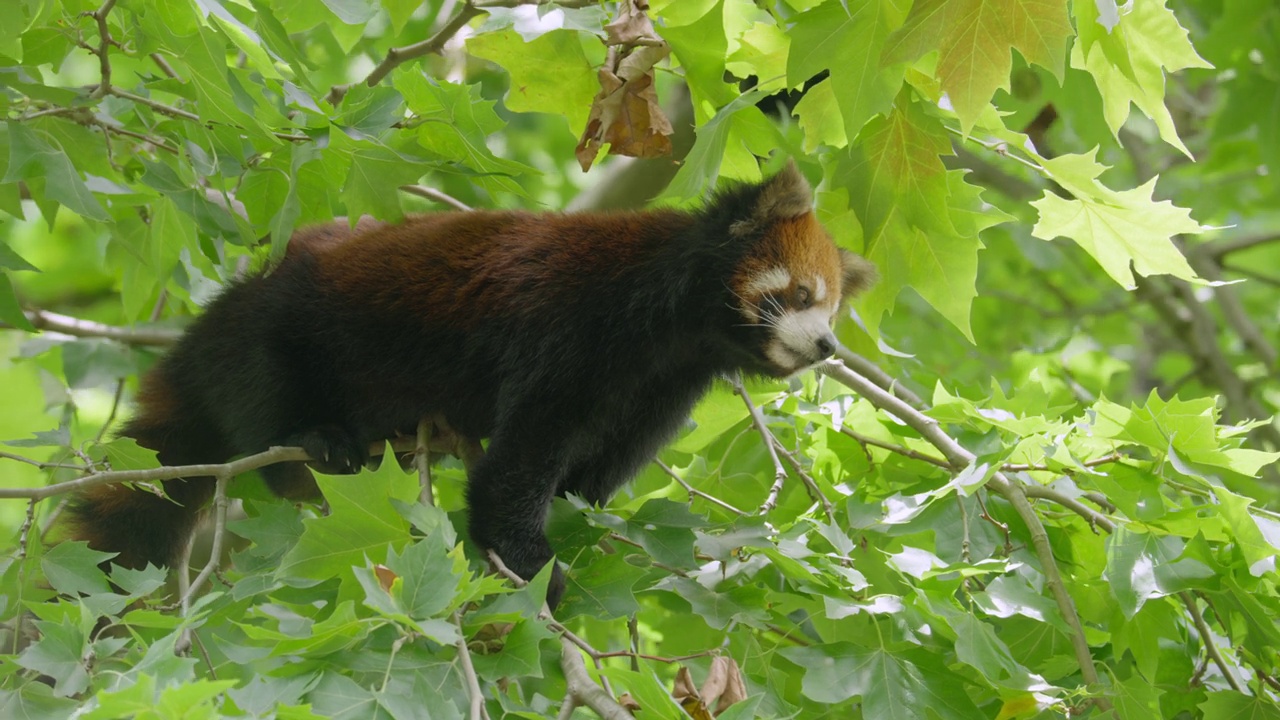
[(793, 279)]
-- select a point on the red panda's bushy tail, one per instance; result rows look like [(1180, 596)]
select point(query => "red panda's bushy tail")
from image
[(141, 526)]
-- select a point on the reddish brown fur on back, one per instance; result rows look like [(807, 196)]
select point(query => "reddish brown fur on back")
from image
[(482, 263), (321, 238)]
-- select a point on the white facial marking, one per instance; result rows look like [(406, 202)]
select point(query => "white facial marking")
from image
[(819, 290), (796, 335), (772, 280)]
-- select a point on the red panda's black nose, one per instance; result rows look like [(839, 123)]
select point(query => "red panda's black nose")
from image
[(826, 345)]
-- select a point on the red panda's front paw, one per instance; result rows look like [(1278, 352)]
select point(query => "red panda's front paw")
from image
[(333, 451)]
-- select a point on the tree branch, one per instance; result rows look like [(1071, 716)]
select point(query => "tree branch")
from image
[(774, 448), (477, 709), (396, 56), (1012, 491), (1206, 638), (56, 322), (436, 195), (870, 370)]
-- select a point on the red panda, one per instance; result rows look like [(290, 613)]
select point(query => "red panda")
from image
[(576, 343)]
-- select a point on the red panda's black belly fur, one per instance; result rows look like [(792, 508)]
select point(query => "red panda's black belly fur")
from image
[(576, 343)]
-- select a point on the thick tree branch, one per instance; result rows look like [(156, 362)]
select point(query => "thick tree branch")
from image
[(870, 370)]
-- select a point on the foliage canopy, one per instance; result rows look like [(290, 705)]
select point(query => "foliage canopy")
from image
[(1043, 483)]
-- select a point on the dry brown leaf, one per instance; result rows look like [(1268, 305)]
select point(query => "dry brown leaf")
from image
[(385, 576), (625, 114), (684, 688), (733, 690), (632, 25), (628, 702)]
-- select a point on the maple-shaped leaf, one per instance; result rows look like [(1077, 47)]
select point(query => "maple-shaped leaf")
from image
[(1118, 228), (846, 39), (974, 38), (919, 221), (1128, 56)]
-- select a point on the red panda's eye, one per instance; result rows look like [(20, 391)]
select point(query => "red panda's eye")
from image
[(803, 298)]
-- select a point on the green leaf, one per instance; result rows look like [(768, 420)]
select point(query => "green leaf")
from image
[(702, 166), (1138, 699), (35, 701), (665, 530), (762, 54), (10, 260), (400, 11), (426, 580), (374, 176), (72, 568), (891, 686), (1129, 62), (33, 154), (60, 653), (701, 46), (204, 55), (361, 524), (10, 309), (1259, 553), (649, 691), (520, 655), (125, 454), (974, 39), (847, 39), (341, 698), (1141, 566), (1118, 228), (818, 115), (602, 589), (456, 122), (1231, 705), (920, 222), (96, 362), (550, 74)]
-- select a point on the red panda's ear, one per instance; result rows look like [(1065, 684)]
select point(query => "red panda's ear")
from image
[(784, 196), (857, 274)]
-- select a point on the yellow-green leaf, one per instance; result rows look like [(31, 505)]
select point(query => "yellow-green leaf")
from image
[(1119, 228), (974, 38)]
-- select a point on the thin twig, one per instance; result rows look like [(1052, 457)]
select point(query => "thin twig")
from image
[(1218, 248), (1206, 638), (41, 465), (1233, 311), (219, 531), (56, 322), (422, 461), (104, 44), (897, 449), (396, 56), (478, 711), (434, 194), (694, 492)]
